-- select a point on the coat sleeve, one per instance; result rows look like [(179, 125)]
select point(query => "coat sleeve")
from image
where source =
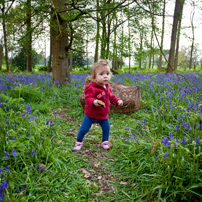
[(113, 98), (89, 95)]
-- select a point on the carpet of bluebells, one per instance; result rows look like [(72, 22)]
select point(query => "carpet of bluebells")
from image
[(161, 143)]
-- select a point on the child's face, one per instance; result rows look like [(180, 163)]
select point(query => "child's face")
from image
[(103, 75)]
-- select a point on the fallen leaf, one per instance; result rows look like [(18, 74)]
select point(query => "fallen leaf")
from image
[(122, 182), (97, 164), (84, 171), (60, 141), (87, 182), (113, 189), (99, 177), (87, 174)]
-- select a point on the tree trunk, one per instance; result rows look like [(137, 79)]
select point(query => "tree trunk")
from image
[(153, 61), (193, 37), (49, 61), (5, 37), (59, 43), (178, 12), (45, 53), (29, 37), (97, 35), (151, 43), (87, 50), (50, 57), (71, 59), (114, 49), (129, 49), (178, 41), (1, 56), (177, 46), (131, 96), (103, 40), (141, 47), (162, 36), (108, 37)]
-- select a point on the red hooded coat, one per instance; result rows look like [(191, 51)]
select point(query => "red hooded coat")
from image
[(94, 91)]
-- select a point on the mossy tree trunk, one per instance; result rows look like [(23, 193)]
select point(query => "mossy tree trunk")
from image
[(60, 44), (1, 56), (178, 12)]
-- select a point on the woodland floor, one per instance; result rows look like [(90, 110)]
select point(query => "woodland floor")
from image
[(100, 170)]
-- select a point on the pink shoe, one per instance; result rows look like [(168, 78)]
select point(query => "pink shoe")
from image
[(105, 145), (78, 146)]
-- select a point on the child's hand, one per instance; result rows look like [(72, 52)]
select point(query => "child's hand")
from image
[(99, 103), (95, 102), (120, 102)]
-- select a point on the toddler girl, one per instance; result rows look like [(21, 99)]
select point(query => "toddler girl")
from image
[(98, 96)]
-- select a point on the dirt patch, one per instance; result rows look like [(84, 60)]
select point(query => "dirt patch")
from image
[(97, 173)]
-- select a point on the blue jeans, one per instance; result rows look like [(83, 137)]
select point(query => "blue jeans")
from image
[(86, 125)]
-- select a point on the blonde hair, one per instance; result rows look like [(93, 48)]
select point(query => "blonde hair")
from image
[(99, 64)]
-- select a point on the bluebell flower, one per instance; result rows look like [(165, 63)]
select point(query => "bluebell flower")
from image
[(14, 153), (160, 135), (4, 185), (171, 135), (29, 109), (52, 140), (200, 122), (6, 169), (32, 117), (1, 196), (165, 141), (183, 142), (178, 118), (144, 121), (176, 127), (197, 139), (6, 153), (33, 153), (127, 129), (41, 168), (187, 126), (165, 155), (6, 157), (16, 190), (24, 114), (156, 157)]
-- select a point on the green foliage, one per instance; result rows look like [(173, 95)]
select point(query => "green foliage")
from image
[(27, 92), (78, 60), (19, 62)]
